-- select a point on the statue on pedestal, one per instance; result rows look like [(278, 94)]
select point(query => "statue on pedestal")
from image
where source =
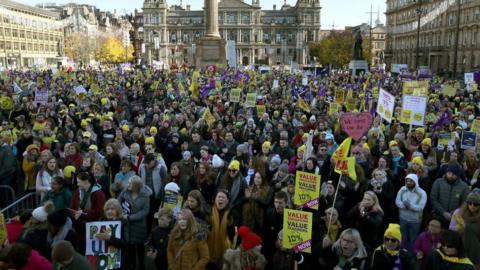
[(357, 48)]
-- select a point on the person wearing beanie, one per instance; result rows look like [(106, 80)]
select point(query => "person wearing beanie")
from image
[(390, 255), (35, 230), (297, 162), (411, 200), (65, 257), (235, 183), (448, 193), (282, 177), (248, 255), (466, 221)]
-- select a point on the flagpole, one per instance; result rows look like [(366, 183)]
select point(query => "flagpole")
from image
[(333, 205)]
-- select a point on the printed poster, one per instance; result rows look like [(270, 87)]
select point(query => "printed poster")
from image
[(41, 96), (385, 105), (251, 100), (297, 230), (413, 110), (448, 90), (444, 138), (475, 127), (307, 190), (416, 88), (339, 96), (235, 95), (99, 254), (469, 140)]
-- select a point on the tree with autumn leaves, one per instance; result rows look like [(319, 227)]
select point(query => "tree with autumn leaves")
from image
[(103, 49), (337, 49)]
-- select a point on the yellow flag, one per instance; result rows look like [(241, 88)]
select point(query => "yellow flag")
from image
[(303, 105), (194, 84), (208, 117), (342, 150)]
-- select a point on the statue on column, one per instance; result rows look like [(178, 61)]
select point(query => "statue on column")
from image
[(357, 48)]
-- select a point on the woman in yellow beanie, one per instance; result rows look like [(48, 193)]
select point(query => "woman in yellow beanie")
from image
[(390, 255), (429, 154)]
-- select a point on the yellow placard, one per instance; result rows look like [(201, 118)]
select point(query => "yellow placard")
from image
[(333, 108), (416, 88), (406, 117), (350, 104), (235, 95), (375, 92), (307, 190), (251, 100), (297, 230), (475, 126), (444, 138), (260, 110), (474, 87), (448, 90), (339, 96)]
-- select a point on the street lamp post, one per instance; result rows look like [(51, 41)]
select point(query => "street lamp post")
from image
[(417, 50), (455, 52)]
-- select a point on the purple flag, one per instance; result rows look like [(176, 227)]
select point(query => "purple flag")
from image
[(321, 91), (444, 119)]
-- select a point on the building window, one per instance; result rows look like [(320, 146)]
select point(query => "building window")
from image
[(8, 45), (279, 51), (2, 45), (29, 46), (35, 35), (232, 18), (7, 32), (29, 35), (16, 46), (35, 47), (23, 46)]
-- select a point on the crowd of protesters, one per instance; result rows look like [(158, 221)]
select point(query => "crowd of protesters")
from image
[(121, 144)]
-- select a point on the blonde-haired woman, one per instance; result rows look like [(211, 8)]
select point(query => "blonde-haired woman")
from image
[(187, 247), (367, 217)]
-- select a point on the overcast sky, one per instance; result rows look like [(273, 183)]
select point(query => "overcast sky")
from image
[(340, 13)]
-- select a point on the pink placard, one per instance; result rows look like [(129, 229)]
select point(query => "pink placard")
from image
[(356, 124)]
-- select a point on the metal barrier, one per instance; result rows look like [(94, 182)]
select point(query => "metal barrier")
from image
[(28, 202), (7, 195)]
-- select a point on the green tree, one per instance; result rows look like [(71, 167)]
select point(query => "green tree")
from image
[(337, 49)]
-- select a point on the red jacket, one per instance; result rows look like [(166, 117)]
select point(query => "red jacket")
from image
[(93, 213), (36, 262)]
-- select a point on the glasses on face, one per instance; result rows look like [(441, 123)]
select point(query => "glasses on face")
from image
[(323, 149), (391, 240), (473, 204), (232, 171)]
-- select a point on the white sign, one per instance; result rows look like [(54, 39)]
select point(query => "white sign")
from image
[(231, 53), (397, 68), (469, 78), (100, 253), (80, 90), (41, 96), (413, 110), (385, 105), (275, 84), (305, 81)]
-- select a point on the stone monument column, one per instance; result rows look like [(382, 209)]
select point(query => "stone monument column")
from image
[(211, 48), (211, 10)]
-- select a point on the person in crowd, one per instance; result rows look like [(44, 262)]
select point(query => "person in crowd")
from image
[(284, 259), (257, 196), (367, 216), (411, 200), (187, 245), (383, 188), (448, 193), (222, 228), (59, 225), (235, 184), (87, 205), (348, 252), (450, 255), (35, 231), (23, 257), (29, 163), (427, 241), (101, 178), (466, 221), (196, 203), (121, 179), (44, 177), (158, 241), (135, 205), (390, 255), (247, 255), (65, 257), (273, 224), (59, 194), (204, 181)]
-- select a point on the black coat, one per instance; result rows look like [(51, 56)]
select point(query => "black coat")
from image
[(159, 242), (382, 260), (369, 225)]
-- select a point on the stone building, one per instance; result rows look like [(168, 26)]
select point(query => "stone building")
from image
[(168, 34), (29, 36), (437, 37)]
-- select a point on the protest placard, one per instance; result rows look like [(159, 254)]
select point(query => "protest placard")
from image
[(307, 190), (448, 90), (415, 88), (469, 140), (41, 96), (413, 110), (235, 95), (99, 253), (356, 124), (339, 96), (251, 100), (475, 127), (444, 138), (297, 230), (385, 105)]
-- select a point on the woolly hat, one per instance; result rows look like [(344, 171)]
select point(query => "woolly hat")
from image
[(392, 143), (172, 186), (301, 149), (41, 213), (427, 141), (217, 162), (68, 171), (329, 136), (418, 160), (186, 155), (242, 148), (125, 128), (150, 140), (284, 168), (454, 168), (31, 147), (474, 196), (62, 251), (234, 165), (420, 130), (249, 239), (276, 159), (266, 144), (87, 134), (93, 147), (393, 230), (153, 130)]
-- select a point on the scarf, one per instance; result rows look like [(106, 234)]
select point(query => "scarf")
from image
[(383, 248), (85, 198), (333, 232), (218, 240), (454, 259)]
